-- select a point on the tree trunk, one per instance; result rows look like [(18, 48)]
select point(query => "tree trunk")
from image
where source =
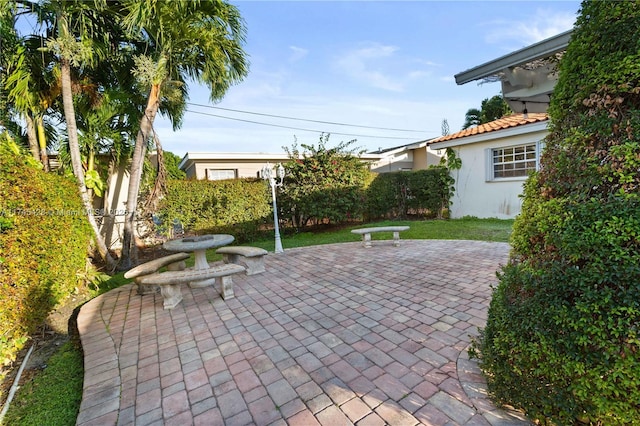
[(129, 248), (31, 136), (42, 143), (76, 160)]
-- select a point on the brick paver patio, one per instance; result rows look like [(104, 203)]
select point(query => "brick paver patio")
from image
[(331, 335)]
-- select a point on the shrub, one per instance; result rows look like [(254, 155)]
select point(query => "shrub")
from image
[(562, 336), (236, 206), (424, 192), (44, 237), (323, 185)]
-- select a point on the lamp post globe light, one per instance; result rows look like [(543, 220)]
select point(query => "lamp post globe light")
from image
[(268, 175)]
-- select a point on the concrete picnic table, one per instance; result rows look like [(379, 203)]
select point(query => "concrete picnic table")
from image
[(199, 246)]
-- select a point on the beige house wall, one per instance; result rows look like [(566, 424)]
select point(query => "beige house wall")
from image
[(242, 169), (243, 165)]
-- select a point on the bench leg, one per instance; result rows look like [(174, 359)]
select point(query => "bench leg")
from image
[(227, 287), (171, 295), (396, 239), (366, 240), (230, 258), (255, 265), (145, 288)]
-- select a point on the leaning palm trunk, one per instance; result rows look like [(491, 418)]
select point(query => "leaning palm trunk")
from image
[(129, 254), (76, 160)]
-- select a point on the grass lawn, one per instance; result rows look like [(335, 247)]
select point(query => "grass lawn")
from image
[(53, 396)]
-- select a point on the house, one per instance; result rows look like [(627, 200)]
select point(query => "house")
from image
[(221, 165), (496, 160), (498, 156), (415, 156), (225, 165)]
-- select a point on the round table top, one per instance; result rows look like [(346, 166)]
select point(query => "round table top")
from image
[(200, 242)]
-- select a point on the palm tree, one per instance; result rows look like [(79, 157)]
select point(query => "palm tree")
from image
[(12, 73), (33, 84), (197, 40), (82, 39), (490, 109)]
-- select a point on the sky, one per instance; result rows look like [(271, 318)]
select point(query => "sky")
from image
[(377, 72)]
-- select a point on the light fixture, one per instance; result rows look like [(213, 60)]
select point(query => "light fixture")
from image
[(525, 113), (268, 175)]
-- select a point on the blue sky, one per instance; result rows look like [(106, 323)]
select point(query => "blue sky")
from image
[(382, 64)]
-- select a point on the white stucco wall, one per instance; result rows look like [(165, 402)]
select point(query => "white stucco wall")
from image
[(474, 194)]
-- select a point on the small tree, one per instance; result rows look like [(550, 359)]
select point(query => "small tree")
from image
[(562, 338), (323, 184)]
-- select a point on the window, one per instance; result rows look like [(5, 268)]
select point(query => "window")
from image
[(220, 174), (513, 161)]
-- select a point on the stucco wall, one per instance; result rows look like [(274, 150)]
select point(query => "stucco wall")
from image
[(244, 169), (474, 195)]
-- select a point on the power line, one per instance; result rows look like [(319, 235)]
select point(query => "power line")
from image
[(295, 128), (308, 120)]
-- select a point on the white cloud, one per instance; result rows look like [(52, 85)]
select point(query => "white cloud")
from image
[(359, 64), (539, 26), (297, 53)]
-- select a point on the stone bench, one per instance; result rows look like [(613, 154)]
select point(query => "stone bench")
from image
[(170, 281), (251, 257), (366, 233), (148, 278), (174, 262)]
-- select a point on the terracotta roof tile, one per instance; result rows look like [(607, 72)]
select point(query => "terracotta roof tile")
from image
[(506, 122)]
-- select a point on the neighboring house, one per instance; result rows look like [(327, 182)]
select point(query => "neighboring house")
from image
[(497, 156), (225, 165), (416, 156), (220, 165)]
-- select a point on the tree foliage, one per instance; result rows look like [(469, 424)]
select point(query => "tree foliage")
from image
[(198, 41), (323, 184), (562, 337), (490, 110)]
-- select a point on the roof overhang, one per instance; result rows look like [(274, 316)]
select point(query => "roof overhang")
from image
[(540, 50), (218, 156), (528, 75)]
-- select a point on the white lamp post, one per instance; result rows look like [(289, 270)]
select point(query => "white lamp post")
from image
[(267, 174)]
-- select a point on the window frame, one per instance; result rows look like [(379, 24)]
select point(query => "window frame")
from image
[(490, 164), (209, 171)]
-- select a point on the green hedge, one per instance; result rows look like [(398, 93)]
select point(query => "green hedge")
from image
[(243, 207), (562, 339), (44, 238), (238, 206), (424, 192)]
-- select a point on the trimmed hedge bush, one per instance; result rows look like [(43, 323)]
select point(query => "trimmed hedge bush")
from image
[(44, 238), (562, 339), (396, 194), (237, 206)]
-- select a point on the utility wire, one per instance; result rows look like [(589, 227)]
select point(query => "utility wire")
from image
[(295, 128), (308, 120)]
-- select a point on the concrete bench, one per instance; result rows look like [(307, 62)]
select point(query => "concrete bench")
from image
[(251, 257), (174, 262), (170, 281), (366, 233)]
